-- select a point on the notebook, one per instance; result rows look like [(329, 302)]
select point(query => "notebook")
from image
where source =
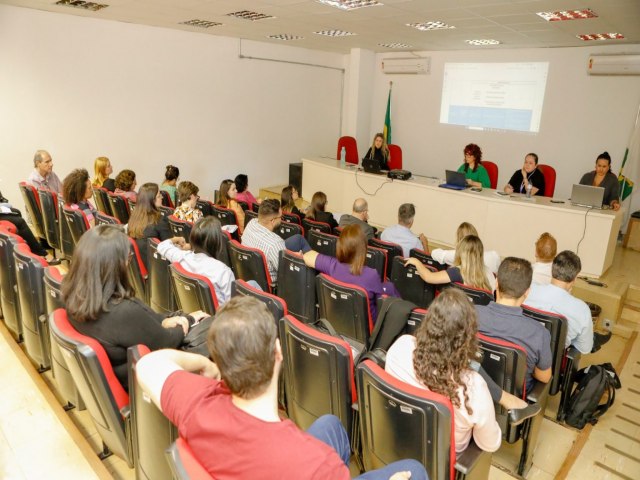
[(587, 196), (455, 180)]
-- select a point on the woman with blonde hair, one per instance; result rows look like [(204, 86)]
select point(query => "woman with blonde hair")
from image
[(102, 168), (317, 212), (379, 151), (491, 257), (288, 198), (228, 194), (468, 267)]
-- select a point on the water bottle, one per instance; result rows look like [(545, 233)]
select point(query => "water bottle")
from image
[(343, 156), (529, 187)]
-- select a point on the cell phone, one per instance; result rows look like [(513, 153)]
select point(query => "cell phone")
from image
[(557, 201), (504, 194)]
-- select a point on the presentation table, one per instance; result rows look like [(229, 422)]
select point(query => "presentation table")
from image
[(509, 224)]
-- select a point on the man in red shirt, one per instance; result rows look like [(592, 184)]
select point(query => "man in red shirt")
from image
[(232, 425)]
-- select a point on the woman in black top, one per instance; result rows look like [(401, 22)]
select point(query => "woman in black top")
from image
[(288, 199), (529, 175), (379, 151), (603, 177), (316, 210), (100, 300)]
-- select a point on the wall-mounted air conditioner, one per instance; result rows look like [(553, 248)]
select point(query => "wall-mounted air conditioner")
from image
[(411, 65), (621, 64)]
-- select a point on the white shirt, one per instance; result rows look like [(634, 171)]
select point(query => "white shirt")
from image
[(541, 273), (402, 236), (491, 258), (551, 298), (271, 244), (217, 272), (482, 423)]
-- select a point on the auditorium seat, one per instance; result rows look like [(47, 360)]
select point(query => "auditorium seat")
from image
[(250, 264), (205, 206), (549, 174), (248, 216), (167, 201), (291, 218), (309, 224), (180, 228), (32, 204), (393, 250), (119, 207), (427, 259), (276, 305), (478, 296), (9, 283), (377, 259), (395, 157), (192, 291), (492, 170), (101, 197), (351, 147), (286, 230), (183, 463), (66, 240), (50, 221), (410, 285), (104, 219), (297, 286), (76, 221), (161, 297), (323, 243), (137, 271)]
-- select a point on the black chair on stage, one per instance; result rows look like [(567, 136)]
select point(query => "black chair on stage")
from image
[(138, 272), (346, 308), (32, 204), (192, 291), (566, 361), (106, 400), (76, 221), (399, 421), (393, 250), (286, 230), (376, 258), (308, 225), (104, 219), (50, 221), (276, 305), (478, 296), (297, 286), (324, 243), (33, 309), (427, 259), (161, 297), (101, 197), (9, 283), (180, 228), (318, 374), (250, 264), (152, 433), (506, 364), (183, 463), (119, 207), (291, 218), (410, 285)]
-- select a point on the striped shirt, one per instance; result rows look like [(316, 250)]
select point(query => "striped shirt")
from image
[(260, 237)]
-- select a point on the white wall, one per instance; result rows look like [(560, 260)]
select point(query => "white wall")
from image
[(583, 116), (146, 97)]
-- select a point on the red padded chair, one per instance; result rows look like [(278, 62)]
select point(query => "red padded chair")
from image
[(32, 204), (549, 174), (395, 157), (192, 291), (479, 296), (492, 170), (8, 283), (351, 147), (276, 305), (8, 226), (250, 264), (184, 465), (138, 271)]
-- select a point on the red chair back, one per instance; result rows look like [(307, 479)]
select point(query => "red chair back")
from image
[(492, 170), (395, 157), (549, 174), (351, 147)]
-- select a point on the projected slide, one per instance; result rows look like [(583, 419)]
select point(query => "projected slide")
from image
[(495, 96)]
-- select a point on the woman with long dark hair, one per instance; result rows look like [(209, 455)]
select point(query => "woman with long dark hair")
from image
[(288, 198), (317, 212), (602, 176), (228, 195)]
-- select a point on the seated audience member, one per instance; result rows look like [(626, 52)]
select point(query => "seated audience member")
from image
[(188, 198), (43, 174), (126, 184), (468, 267), (288, 199), (317, 212), (146, 221), (401, 233), (77, 190), (556, 298), (13, 215), (359, 216), (379, 151), (259, 234), (527, 177), (227, 411), (504, 319), (228, 196), (102, 168), (546, 249), (244, 195), (603, 177), (474, 171), (491, 257), (437, 359), (349, 266), (203, 256), (101, 303), (171, 175)]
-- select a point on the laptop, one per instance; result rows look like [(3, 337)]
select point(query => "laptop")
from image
[(369, 165), (455, 180), (587, 196)]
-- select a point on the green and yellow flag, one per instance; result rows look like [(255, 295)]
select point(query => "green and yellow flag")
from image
[(626, 185), (387, 120)]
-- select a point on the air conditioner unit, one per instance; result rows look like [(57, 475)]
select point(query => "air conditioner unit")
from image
[(621, 64), (412, 65)]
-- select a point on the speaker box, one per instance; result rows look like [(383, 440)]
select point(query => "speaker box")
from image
[(295, 176)]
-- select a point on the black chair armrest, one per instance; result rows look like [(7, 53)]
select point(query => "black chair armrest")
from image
[(539, 393), (573, 355), (468, 459)]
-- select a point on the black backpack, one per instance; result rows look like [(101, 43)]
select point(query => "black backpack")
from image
[(584, 404)]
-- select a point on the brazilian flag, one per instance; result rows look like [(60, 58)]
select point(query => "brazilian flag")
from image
[(387, 120), (626, 185)]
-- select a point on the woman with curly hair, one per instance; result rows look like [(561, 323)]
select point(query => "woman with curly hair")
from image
[(438, 357), (475, 173), (77, 190)]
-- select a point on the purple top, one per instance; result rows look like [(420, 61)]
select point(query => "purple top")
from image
[(368, 279)]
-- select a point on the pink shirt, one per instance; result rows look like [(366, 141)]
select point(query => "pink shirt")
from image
[(482, 423), (246, 197)]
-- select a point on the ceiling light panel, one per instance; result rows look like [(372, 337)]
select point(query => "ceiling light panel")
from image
[(600, 36), (334, 33), (248, 15), (563, 15), (285, 36), (201, 23), (483, 42), (350, 4), (395, 45), (425, 26), (94, 7)]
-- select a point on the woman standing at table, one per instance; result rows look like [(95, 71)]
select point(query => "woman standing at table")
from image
[(603, 177), (527, 177), (379, 151), (472, 168)]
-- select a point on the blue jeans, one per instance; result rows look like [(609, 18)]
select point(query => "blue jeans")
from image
[(329, 430), (297, 242)]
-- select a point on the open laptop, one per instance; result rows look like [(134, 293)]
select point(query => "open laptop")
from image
[(587, 196), (455, 180), (369, 165)]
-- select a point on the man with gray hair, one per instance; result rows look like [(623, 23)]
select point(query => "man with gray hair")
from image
[(401, 233), (359, 216), (556, 298), (42, 174)]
